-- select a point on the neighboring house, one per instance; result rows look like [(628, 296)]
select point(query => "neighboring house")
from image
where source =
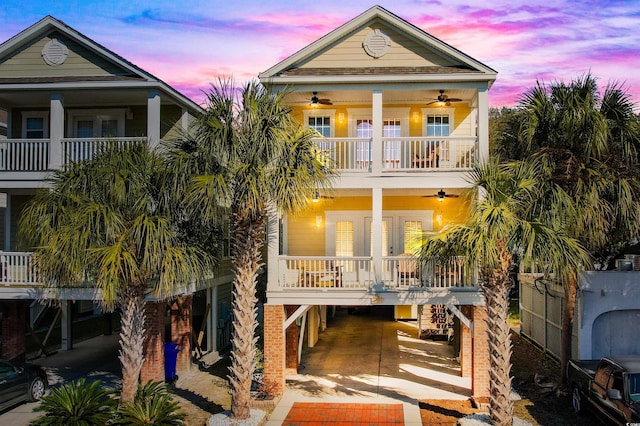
[(63, 95), (607, 304), (403, 117)]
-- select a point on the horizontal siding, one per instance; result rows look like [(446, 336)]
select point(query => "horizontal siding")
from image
[(80, 62), (402, 52)]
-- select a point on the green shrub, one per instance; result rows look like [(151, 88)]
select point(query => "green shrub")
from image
[(77, 404), (152, 405)]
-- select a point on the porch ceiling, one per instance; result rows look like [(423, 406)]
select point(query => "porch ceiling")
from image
[(359, 97), (394, 192)]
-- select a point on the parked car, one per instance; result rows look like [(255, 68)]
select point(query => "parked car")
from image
[(19, 383), (611, 386)]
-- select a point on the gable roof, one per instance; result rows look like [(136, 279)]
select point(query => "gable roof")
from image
[(129, 74), (461, 65)]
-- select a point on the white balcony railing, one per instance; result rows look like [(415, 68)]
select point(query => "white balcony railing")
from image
[(396, 272), (24, 155), (33, 155), (16, 269), (404, 154), (429, 153), (79, 149)]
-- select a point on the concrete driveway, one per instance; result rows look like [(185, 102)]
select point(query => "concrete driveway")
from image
[(94, 359)]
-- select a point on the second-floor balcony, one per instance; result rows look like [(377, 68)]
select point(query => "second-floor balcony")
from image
[(400, 153), (34, 155)]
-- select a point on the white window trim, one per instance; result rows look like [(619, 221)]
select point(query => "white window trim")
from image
[(438, 111), (36, 114), (359, 219), (331, 113), (97, 115), (356, 114)]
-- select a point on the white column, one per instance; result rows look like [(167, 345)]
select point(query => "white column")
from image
[(376, 232), (56, 131), (212, 325), (483, 125), (376, 112), (7, 225), (66, 341), (273, 250), (153, 118)]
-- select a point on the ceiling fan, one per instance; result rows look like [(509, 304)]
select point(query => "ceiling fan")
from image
[(319, 196), (315, 100), (441, 195), (445, 99)]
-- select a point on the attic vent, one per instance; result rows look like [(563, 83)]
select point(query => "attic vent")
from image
[(376, 44), (54, 53)]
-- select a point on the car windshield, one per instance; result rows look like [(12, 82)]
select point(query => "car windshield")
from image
[(634, 387)]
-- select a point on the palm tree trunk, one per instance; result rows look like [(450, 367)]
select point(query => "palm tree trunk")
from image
[(131, 343), (495, 289), (570, 293), (247, 261)]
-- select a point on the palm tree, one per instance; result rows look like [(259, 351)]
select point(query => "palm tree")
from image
[(248, 159), (112, 221), (497, 230), (586, 143)]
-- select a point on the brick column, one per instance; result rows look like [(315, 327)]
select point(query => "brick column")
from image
[(292, 334), (274, 347), (466, 344), (14, 324), (181, 326), (480, 377), (153, 349)]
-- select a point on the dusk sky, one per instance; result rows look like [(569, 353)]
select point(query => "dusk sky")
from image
[(189, 43)]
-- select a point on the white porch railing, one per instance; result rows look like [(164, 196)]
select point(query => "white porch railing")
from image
[(397, 272), (429, 153), (79, 149), (24, 155), (352, 154), (16, 268), (403, 154)]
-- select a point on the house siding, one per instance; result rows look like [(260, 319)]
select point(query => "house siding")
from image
[(403, 50), (80, 61)]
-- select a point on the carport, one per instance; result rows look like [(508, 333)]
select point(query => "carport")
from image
[(367, 357)]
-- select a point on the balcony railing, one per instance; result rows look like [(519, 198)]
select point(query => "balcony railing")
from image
[(24, 155), (349, 273), (79, 149), (33, 155), (404, 154), (16, 269)]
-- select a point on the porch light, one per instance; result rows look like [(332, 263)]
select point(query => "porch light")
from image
[(318, 221), (416, 116), (341, 117), (316, 197)]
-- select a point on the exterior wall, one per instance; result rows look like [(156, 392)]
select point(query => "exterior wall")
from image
[(181, 328), (466, 344), (292, 334), (480, 358), (80, 61), (153, 366), (18, 202), (170, 122), (403, 50), (14, 322), (274, 347)]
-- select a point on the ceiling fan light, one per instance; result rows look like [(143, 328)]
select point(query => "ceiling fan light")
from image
[(441, 195)]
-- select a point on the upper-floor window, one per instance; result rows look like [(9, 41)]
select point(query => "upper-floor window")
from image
[(437, 125), (35, 125)]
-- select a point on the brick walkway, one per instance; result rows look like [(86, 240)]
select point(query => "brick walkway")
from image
[(348, 414)]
